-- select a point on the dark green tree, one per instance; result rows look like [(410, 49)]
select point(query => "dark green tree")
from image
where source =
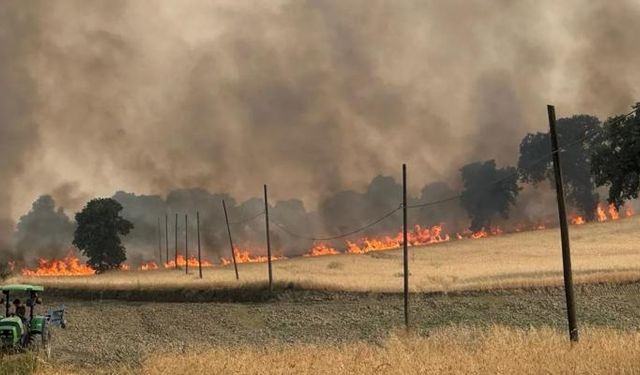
[(576, 136), (98, 231), (488, 192), (615, 160)]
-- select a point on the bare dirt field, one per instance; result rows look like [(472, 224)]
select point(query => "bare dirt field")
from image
[(109, 336)]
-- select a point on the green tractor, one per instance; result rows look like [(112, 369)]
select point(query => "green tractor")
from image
[(20, 329)]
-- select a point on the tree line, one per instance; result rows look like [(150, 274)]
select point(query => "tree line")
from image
[(594, 154)]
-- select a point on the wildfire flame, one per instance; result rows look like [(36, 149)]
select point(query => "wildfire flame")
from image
[(578, 220), (628, 212), (67, 266), (182, 262), (613, 212), (244, 256), (147, 266), (600, 213), (321, 249), (418, 236)]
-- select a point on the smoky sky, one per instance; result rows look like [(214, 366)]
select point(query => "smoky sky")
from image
[(310, 97)]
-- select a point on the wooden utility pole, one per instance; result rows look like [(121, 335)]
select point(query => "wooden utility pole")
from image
[(186, 244), (564, 227), (176, 235), (233, 253), (199, 251), (159, 242), (266, 216), (405, 246), (166, 237)]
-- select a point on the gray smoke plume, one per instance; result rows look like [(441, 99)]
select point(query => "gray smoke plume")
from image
[(44, 231), (311, 97), (20, 28)]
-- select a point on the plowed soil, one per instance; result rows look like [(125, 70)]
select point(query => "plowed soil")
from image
[(105, 333)]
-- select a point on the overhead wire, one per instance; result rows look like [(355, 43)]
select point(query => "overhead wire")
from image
[(342, 235), (544, 158), (247, 219)]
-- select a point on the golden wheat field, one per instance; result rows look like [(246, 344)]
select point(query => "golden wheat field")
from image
[(601, 252), (449, 350)]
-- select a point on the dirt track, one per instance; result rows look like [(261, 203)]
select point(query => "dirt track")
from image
[(109, 332)]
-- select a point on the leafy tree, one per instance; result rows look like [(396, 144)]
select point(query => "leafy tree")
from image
[(616, 157), (488, 191), (98, 233), (578, 134)]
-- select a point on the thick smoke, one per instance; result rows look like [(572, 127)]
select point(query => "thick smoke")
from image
[(44, 231), (311, 97), (19, 32)]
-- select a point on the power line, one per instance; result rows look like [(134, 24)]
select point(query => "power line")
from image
[(247, 219), (342, 235), (544, 158)]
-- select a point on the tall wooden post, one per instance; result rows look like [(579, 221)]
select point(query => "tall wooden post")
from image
[(176, 235), (405, 246), (564, 228), (266, 215), (199, 251), (166, 237), (186, 244), (233, 253), (159, 242)]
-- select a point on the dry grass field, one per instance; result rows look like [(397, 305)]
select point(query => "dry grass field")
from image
[(507, 315), (602, 252), (452, 350)]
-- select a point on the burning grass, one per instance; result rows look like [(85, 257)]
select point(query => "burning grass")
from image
[(602, 252)]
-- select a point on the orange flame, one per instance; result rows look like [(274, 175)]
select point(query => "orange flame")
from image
[(67, 266), (321, 249), (578, 220), (479, 234), (613, 212), (147, 266), (628, 212), (417, 237), (192, 261), (601, 215), (244, 256)]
